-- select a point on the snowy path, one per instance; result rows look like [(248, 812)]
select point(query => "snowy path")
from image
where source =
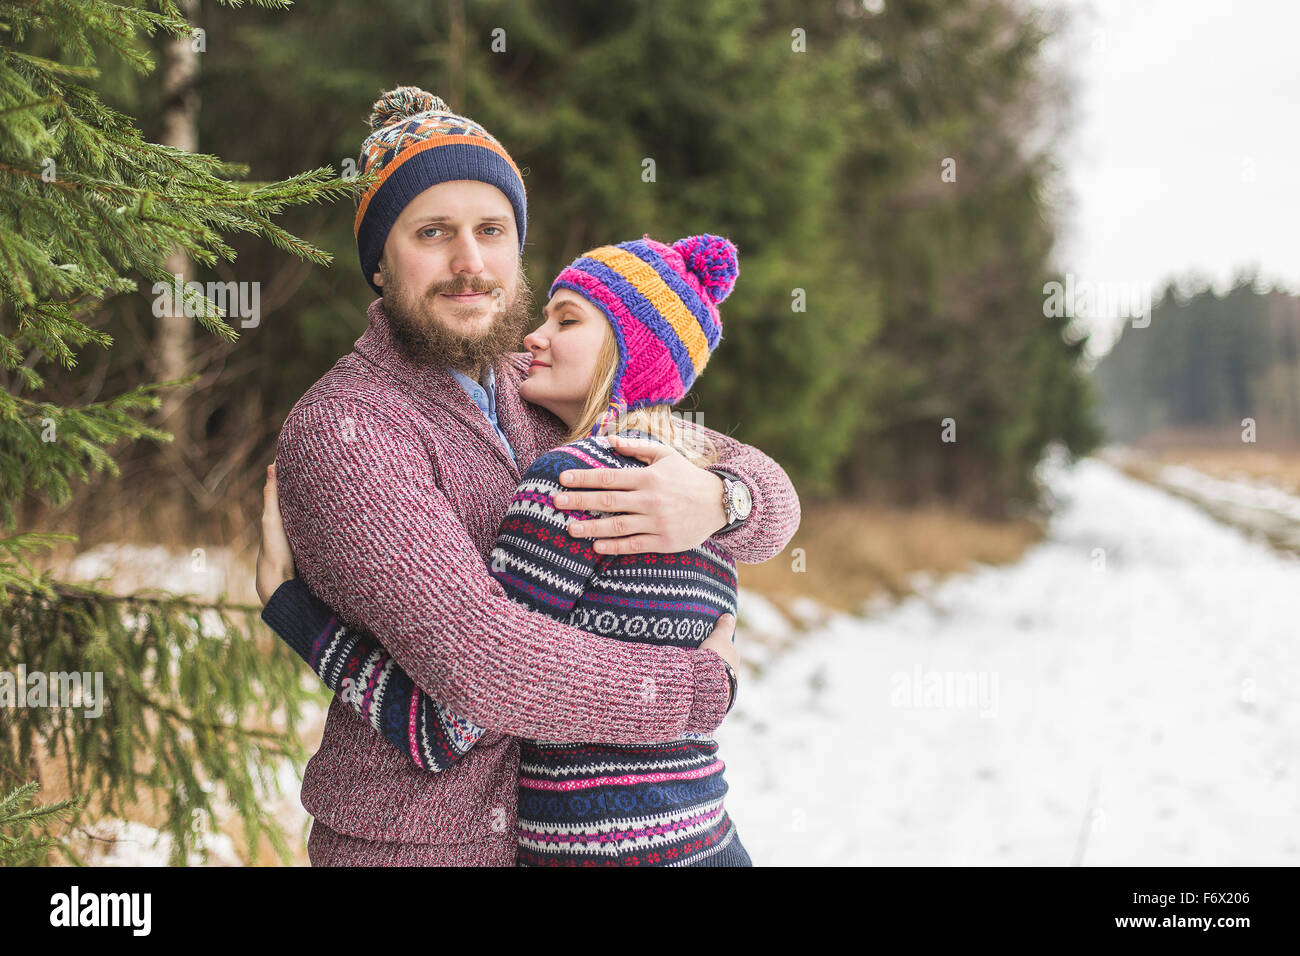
[(1139, 671)]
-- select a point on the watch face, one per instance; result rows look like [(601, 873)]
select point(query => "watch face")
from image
[(741, 502)]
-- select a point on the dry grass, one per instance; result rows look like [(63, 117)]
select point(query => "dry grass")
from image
[(853, 552), (1221, 453), (1281, 468)]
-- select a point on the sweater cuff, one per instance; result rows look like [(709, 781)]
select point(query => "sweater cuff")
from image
[(297, 616), (712, 693)]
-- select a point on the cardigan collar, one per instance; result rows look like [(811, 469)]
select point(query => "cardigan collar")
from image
[(529, 428)]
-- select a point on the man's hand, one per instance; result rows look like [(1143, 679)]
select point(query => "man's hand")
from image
[(669, 506)]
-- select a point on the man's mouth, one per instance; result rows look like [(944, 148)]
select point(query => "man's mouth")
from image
[(464, 296)]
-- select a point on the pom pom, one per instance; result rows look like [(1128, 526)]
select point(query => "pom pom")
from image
[(402, 102), (712, 260)]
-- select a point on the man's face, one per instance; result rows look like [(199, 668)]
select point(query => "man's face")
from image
[(452, 280)]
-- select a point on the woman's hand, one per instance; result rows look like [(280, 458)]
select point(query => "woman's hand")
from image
[(720, 641), (274, 558)]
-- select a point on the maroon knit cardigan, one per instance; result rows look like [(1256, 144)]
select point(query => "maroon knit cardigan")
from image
[(393, 485)]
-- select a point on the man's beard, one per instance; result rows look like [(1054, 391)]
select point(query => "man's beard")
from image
[(426, 341)]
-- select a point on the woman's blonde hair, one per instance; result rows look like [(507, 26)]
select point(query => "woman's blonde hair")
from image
[(656, 420)]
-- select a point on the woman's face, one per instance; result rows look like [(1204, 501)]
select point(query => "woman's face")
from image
[(565, 348)]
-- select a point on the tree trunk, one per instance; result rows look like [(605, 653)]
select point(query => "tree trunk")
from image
[(176, 331), (456, 57)]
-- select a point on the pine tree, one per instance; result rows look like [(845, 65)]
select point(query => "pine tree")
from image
[(875, 299), (1204, 363), (89, 209)]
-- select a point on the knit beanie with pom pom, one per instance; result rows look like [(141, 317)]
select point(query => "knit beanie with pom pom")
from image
[(663, 304), (418, 142)]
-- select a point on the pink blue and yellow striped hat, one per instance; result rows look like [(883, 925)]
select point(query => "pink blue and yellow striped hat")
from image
[(662, 302), (418, 142)]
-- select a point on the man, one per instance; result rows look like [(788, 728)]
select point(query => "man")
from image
[(394, 472)]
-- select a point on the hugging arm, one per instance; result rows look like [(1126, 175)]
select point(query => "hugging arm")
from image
[(354, 665), (379, 542), (775, 516)]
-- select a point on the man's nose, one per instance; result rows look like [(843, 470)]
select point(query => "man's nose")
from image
[(465, 256)]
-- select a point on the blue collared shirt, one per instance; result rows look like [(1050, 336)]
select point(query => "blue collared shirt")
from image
[(486, 400)]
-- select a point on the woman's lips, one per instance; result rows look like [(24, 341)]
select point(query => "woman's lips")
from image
[(538, 365)]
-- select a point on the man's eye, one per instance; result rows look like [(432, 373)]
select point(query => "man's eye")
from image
[(497, 228), (429, 230)]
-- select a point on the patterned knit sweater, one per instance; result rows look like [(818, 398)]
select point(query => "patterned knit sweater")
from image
[(393, 485), (580, 804)]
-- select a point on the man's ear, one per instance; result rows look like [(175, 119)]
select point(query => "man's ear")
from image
[(378, 279)]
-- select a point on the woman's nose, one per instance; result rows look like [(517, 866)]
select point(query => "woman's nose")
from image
[(534, 341)]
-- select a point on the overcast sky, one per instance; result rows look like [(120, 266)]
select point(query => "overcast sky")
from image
[(1187, 139)]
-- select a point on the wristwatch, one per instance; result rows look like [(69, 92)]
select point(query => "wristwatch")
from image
[(731, 679), (736, 500)]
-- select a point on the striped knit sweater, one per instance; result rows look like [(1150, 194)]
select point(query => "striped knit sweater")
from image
[(580, 804)]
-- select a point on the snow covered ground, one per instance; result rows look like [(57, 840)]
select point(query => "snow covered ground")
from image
[(1125, 694)]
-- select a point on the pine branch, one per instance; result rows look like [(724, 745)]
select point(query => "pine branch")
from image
[(181, 682), (87, 208), (20, 846), (43, 446)]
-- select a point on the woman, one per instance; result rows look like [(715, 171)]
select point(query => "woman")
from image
[(627, 330)]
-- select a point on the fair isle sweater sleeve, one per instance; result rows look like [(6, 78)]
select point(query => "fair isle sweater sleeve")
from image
[(538, 562), (379, 542), (365, 677), (776, 512)]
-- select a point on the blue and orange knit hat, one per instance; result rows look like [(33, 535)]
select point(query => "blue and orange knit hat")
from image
[(419, 142), (662, 302)]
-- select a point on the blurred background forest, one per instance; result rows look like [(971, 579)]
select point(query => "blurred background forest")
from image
[(1205, 364), (878, 296)]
